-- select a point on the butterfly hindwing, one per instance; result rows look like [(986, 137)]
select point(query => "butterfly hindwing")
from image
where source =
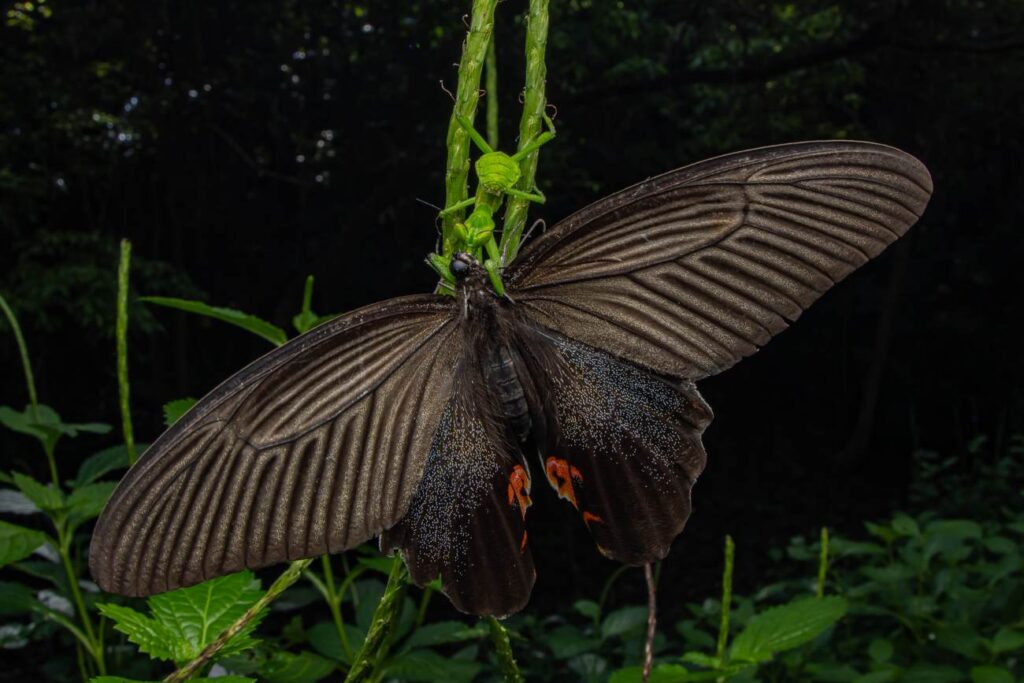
[(467, 521), (623, 445)]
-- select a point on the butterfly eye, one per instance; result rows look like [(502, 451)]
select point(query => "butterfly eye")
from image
[(460, 265)]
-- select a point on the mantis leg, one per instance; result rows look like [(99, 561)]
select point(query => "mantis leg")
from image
[(537, 197), (477, 139), (491, 266), (460, 205), (537, 142), (440, 266)]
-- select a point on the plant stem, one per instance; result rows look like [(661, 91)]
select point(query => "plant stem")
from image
[(286, 579), (467, 94), (64, 550), (652, 621), (529, 125), (374, 648), (723, 626), (823, 562), (503, 648), (30, 382), (491, 76), (122, 350), (334, 605)]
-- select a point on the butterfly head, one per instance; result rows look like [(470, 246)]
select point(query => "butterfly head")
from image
[(462, 265)]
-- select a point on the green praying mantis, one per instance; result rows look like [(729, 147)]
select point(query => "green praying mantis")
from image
[(497, 173)]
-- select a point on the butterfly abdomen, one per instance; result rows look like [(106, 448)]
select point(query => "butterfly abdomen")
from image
[(503, 380)]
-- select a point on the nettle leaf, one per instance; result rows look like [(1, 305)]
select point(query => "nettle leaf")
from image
[(46, 497), (443, 632), (15, 598), (199, 613), (427, 665), (785, 627), (623, 621), (18, 542), (186, 620), (173, 410), (153, 638), (269, 331), (87, 502), (287, 667), (104, 462)]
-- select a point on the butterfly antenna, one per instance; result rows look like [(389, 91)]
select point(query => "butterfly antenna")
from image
[(432, 206), (539, 221)]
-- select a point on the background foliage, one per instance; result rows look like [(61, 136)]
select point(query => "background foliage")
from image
[(244, 145)]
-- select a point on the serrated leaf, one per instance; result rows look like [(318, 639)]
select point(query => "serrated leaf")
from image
[(443, 632), (427, 665), (304, 667), (18, 542), (153, 638), (46, 497), (323, 638), (196, 615), (15, 598), (623, 621), (16, 503), (87, 502), (270, 332), (785, 627), (174, 410), (104, 462)]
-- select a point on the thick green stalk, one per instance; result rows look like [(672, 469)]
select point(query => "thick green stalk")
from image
[(467, 94), (95, 647), (30, 382), (122, 350), (723, 626), (286, 579), (529, 126), (491, 76), (374, 648), (823, 562), (503, 648)]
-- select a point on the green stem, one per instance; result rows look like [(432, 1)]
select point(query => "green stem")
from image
[(286, 579), (334, 605), (30, 382), (374, 648), (723, 626), (122, 350), (823, 562), (64, 549), (491, 75), (467, 94), (503, 648), (421, 612), (529, 126)]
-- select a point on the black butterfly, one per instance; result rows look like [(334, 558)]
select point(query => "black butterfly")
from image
[(417, 418)]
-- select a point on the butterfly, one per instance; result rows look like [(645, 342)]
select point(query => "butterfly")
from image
[(431, 420)]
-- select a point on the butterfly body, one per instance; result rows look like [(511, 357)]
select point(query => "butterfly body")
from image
[(432, 421)]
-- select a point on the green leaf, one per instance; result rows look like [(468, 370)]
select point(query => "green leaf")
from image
[(960, 637), (378, 563), (15, 598), (957, 528), (46, 497), (219, 679), (588, 608), (153, 638), (16, 503), (443, 632), (104, 462), (304, 667), (905, 526), (785, 627), (427, 665), (87, 502), (270, 332), (931, 673), (880, 650), (567, 642), (1007, 640), (173, 410), (622, 621), (188, 619), (323, 637), (991, 674), (18, 542), (674, 673)]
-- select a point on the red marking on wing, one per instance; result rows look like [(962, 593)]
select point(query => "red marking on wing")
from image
[(522, 544), (519, 490), (589, 517), (563, 478)]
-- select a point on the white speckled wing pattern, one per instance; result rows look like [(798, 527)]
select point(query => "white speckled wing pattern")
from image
[(314, 448), (693, 270), (467, 522), (623, 448)]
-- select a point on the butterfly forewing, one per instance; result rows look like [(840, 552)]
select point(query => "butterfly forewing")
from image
[(693, 270), (314, 448)]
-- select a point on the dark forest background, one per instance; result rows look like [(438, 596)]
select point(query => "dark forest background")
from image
[(242, 145)]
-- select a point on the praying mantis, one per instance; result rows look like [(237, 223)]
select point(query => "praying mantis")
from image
[(497, 173)]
